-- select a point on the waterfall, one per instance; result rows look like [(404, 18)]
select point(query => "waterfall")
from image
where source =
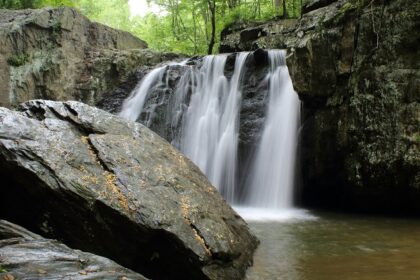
[(210, 130), (270, 184), (204, 115), (201, 127), (133, 105)]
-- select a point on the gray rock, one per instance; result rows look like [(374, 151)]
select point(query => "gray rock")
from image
[(116, 189), (310, 5), (25, 255), (59, 54), (355, 66)]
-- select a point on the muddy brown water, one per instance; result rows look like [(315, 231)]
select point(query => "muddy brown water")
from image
[(337, 247)]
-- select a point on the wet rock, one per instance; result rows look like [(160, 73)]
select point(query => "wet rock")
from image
[(158, 108), (354, 65), (116, 189), (25, 255), (260, 57), (253, 109)]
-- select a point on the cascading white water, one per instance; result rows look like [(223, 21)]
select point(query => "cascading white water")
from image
[(271, 180), (133, 105), (200, 128), (204, 111), (210, 128)]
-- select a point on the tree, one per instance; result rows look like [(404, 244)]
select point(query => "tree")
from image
[(212, 9), (184, 26), (284, 9), (18, 4)]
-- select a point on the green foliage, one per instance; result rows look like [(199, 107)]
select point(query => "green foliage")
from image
[(26, 4), (57, 3), (347, 7), (18, 59), (186, 26), (114, 13), (2, 269), (18, 4), (183, 26)]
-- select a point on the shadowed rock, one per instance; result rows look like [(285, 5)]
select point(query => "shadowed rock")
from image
[(355, 66), (114, 188), (25, 255)]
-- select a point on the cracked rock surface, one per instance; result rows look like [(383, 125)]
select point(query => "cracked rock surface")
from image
[(114, 188), (25, 255)]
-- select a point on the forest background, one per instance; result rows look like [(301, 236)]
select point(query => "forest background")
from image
[(182, 26)]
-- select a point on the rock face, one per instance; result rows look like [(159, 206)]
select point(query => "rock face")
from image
[(114, 188), (59, 54), (355, 66), (25, 255), (310, 5)]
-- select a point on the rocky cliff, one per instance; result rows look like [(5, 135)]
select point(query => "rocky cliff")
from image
[(59, 54), (356, 67)]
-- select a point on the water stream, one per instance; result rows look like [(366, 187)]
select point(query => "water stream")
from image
[(271, 180), (133, 105), (210, 129), (205, 114)]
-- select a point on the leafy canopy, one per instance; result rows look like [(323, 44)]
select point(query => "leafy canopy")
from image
[(183, 26)]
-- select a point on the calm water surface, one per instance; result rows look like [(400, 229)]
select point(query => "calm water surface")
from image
[(337, 247)]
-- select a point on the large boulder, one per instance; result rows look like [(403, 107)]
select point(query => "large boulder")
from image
[(356, 67), (59, 54), (112, 187), (25, 255)]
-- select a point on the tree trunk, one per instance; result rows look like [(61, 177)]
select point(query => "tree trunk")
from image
[(284, 9), (212, 8), (194, 26)]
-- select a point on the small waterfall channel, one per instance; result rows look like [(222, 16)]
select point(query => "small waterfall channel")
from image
[(272, 174), (203, 117)]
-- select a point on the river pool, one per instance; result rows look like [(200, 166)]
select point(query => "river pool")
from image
[(335, 246)]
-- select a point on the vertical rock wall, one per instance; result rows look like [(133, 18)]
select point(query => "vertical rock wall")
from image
[(356, 67)]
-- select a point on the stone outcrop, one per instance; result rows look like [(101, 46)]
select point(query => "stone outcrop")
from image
[(310, 5), (114, 188), (25, 255), (59, 54), (355, 66)]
